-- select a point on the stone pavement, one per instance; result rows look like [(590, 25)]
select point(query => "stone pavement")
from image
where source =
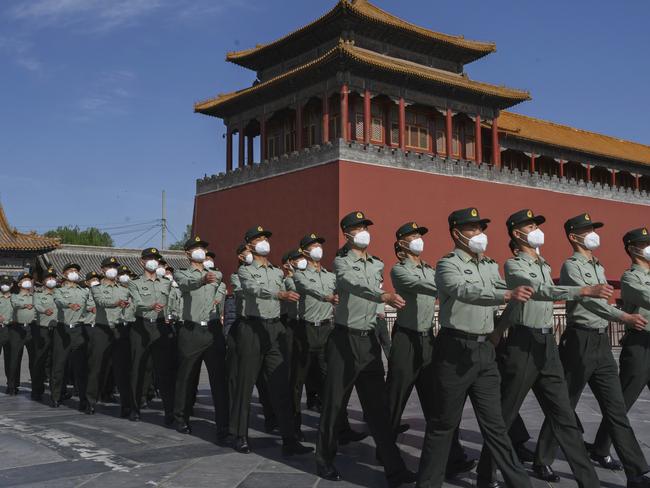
[(45, 447)]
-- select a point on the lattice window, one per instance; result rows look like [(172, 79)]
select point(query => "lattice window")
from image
[(470, 141), (377, 133), (358, 127)]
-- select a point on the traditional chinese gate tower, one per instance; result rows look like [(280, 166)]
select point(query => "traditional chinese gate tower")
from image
[(363, 110)]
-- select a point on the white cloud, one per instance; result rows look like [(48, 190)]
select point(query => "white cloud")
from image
[(20, 52), (108, 94)]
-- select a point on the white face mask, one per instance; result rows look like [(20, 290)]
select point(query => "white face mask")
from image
[(26, 285), (73, 276), (51, 283), (416, 246), (591, 241), (151, 265), (646, 253), (301, 264), (361, 239), (248, 259), (316, 253), (477, 244), (93, 284), (124, 278), (111, 273), (263, 248), (160, 272), (5, 288), (169, 277), (209, 263), (535, 238), (198, 255)]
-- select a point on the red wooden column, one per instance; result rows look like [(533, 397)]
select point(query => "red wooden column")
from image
[(249, 150), (496, 147), (478, 140), (402, 124), (344, 112), (366, 116), (228, 149), (325, 131), (241, 144), (533, 157), (299, 142), (589, 173), (262, 138), (637, 184), (613, 171), (449, 132), (561, 162)]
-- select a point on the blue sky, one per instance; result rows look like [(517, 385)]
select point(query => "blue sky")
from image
[(96, 101)]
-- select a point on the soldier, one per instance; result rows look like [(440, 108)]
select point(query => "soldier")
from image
[(586, 355), (46, 314), (200, 340), (530, 359), (20, 330), (354, 355), (289, 310), (410, 360), (70, 339), (151, 337), (92, 280), (258, 345), (6, 317), (464, 364), (317, 289), (634, 362), (110, 340)]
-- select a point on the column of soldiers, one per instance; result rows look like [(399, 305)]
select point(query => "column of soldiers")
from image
[(301, 327)]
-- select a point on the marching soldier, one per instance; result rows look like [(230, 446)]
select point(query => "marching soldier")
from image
[(20, 331), (110, 341), (289, 310), (92, 280), (317, 289), (6, 317), (410, 360), (151, 337), (586, 355), (464, 359), (531, 359), (354, 355), (634, 362), (46, 314), (258, 345), (70, 339), (200, 340)]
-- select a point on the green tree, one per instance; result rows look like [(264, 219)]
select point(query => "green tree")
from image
[(91, 236), (180, 245)]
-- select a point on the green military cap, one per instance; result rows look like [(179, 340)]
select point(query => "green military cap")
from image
[(241, 248), (210, 254), (123, 269), (466, 216), (169, 268), (309, 239), (150, 252), (195, 241), (49, 272), (92, 274), (24, 275), (71, 266), (410, 228), (353, 219), (580, 222), (110, 262), (255, 232), (636, 236), (293, 254), (6, 280), (162, 261), (524, 216)]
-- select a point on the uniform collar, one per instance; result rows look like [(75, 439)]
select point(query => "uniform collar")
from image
[(312, 269), (583, 259), (412, 264), (640, 269), (527, 257), (464, 255), (354, 257), (258, 265)]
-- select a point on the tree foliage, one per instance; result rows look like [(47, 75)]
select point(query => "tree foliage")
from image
[(180, 245), (91, 236)]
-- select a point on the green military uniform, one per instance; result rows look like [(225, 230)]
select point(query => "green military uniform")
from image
[(634, 361), (315, 313), (46, 320), (6, 317), (587, 357), (20, 330), (353, 358), (152, 340), (464, 363), (200, 339), (70, 339), (258, 341), (531, 359), (110, 342)]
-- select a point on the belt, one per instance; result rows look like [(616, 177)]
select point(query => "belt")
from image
[(262, 321), (601, 330), (318, 323), (152, 321), (202, 323), (73, 326), (537, 330), (419, 333), (356, 332), (459, 334)]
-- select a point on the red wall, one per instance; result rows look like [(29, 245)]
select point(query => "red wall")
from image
[(315, 199)]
